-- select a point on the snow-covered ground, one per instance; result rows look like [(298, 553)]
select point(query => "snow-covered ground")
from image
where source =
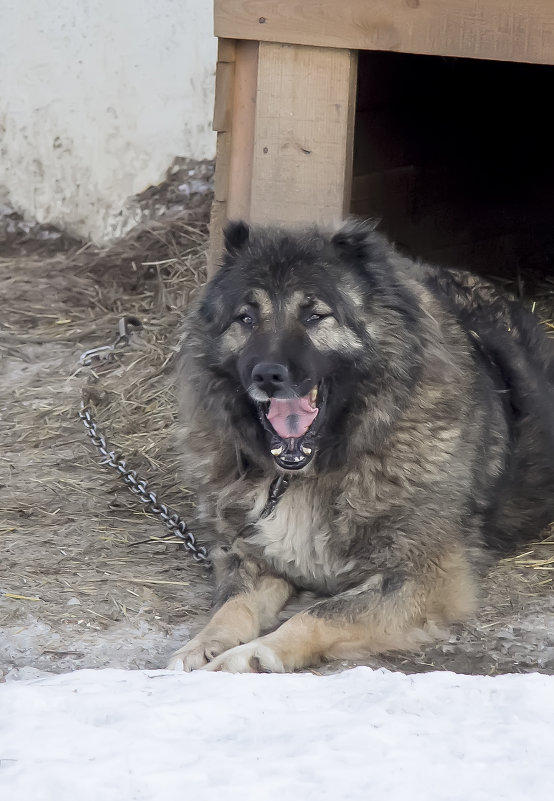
[(361, 734)]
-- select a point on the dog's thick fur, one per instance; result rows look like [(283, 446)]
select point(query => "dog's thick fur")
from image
[(432, 446)]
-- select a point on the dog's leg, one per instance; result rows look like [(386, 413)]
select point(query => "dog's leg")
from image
[(240, 619), (387, 612)]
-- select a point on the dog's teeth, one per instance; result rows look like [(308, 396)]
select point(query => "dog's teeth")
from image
[(277, 451), (313, 395), (305, 450)]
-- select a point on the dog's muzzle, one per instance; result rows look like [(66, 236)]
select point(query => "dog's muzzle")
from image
[(292, 425)]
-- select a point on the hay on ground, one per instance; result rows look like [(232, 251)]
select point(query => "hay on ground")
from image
[(67, 523)]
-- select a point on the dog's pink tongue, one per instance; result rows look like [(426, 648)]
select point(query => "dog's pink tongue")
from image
[(291, 417)]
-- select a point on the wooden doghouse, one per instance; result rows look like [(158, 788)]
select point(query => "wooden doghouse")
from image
[(433, 115)]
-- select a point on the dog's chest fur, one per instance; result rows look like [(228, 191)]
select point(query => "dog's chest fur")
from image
[(295, 540)]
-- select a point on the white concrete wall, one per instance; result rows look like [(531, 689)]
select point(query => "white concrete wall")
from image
[(97, 97)]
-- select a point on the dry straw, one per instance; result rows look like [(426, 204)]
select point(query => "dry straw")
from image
[(66, 523)]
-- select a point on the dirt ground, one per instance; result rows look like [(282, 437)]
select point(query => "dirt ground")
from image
[(86, 578)]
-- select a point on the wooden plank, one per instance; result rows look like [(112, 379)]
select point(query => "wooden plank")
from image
[(304, 127), (223, 120), (348, 133), (218, 218), (223, 104), (224, 83), (222, 165), (234, 107), (226, 49), (505, 30), (242, 130)]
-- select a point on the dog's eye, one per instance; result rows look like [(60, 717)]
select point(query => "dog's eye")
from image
[(315, 318), (246, 319)]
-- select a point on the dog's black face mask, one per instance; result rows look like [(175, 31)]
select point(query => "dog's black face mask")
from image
[(286, 330), (284, 376)]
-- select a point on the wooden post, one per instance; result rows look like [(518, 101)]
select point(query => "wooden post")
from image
[(304, 134), (285, 156), (504, 30), (234, 109)]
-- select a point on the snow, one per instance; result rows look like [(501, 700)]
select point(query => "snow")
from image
[(360, 734)]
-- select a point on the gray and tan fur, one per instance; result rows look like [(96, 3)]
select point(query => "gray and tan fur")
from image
[(431, 448)]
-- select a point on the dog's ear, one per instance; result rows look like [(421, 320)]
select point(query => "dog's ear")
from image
[(213, 307), (236, 235), (358, 241)]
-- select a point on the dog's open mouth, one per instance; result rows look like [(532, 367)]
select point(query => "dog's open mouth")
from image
[(291, 424)]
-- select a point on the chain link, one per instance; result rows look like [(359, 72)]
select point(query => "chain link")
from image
[(139, 487)]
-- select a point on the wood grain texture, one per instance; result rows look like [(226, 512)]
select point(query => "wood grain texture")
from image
[(303, 134), (222, 165), (222, 123), (226, 50), (223, 105), (218, 218), (505, 30), (242, 130)]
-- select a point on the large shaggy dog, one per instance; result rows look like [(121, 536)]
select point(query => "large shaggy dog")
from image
[(361, 426)]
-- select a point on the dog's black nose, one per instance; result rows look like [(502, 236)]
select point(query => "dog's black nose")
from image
[(270, 377)]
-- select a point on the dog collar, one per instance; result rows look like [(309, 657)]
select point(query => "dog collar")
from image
[(276, 492)]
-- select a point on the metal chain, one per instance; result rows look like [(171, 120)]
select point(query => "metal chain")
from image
[(138, 486)]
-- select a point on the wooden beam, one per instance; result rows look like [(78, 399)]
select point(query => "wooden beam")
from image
[(285, 140), (304, 125), (218, 218), (222, 123), (504, 30), (226, 50), (242, 130), (223, 105), (234, 107)]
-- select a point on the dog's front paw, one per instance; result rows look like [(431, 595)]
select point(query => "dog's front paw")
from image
[(195, 654), (252, 657)]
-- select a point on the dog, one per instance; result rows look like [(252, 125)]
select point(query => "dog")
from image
[(362, 426)]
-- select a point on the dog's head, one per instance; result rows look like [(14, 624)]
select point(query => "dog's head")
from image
[(301, 330)]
